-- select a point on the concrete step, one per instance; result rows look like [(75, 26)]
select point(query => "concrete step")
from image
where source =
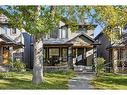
[(80, 68), (4, 68)]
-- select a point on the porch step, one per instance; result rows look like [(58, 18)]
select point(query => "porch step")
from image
[(4, 68), (84, 69)]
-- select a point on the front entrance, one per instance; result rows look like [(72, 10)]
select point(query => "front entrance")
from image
[(78, 55), (5, 55), (1, 55)]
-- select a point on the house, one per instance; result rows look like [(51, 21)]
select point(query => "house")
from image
[(65, 47), (7, 40), (61, 46), (113, 50), (14, 43)]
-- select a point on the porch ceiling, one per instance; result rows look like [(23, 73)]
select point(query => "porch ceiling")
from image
[(57, 45)]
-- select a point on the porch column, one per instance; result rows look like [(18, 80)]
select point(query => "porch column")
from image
[(94, 57), (70, 59), (85, 56)]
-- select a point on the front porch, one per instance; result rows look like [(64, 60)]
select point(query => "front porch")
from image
[(7, 46), (61, 55)]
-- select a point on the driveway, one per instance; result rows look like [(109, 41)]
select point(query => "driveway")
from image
[(81, 81)]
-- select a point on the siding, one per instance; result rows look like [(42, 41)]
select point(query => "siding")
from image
[(101, 49)]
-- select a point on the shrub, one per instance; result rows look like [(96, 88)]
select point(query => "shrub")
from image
[(99, 65), (17, 66)]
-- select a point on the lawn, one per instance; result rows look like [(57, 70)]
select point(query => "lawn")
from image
[(52, 80), (110, 81)]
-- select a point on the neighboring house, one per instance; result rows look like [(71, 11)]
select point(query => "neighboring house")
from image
[(14, 43), (10, 41), (66, 46), (114, 51)]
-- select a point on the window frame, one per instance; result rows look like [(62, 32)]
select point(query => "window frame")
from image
[(3, 29), (66, 31)]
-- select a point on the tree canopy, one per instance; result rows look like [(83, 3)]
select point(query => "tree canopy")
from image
[(48, 17)]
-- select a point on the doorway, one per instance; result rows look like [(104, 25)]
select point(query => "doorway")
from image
[(5, 55)]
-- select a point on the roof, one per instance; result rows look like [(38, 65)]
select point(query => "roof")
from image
[(8, 41), (116, 45), (52, 41), (6, 38), (122, 43), (66, 42)]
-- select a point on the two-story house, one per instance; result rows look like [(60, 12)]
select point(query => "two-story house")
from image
[(14, 43), (8, 43), (66, 46)]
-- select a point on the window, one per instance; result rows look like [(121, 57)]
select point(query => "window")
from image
[(124, 54), (64, 32), (54, 34), (53, 52), (13, 30), (4, 29)]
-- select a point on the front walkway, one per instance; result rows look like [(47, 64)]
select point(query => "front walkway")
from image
[(81, 81)]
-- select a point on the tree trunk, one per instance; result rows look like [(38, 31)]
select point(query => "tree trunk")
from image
[(38, 61)]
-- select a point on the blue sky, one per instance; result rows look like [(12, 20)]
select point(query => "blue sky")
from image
[(97, 30)]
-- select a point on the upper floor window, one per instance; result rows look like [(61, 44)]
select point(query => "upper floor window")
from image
[(4, 29), (54, 34), (64, 32), (13, 30)]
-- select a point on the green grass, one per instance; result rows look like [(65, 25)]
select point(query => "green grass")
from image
[(52, 80), (110, 81)]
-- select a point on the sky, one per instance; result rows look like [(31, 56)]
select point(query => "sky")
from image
[(97, 30)]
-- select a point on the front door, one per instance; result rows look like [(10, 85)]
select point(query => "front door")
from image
[(80, 56), (1, 55), (5, 55)]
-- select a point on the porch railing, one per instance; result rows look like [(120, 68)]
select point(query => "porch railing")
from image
[(120, 65)]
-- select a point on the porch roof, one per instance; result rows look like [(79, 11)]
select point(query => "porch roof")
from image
[(116, 45), (6, 40), (57, 42)]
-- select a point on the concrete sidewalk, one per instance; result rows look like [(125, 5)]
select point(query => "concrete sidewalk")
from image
[(81, 81)]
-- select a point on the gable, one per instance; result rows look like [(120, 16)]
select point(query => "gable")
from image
[(81, 41)]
